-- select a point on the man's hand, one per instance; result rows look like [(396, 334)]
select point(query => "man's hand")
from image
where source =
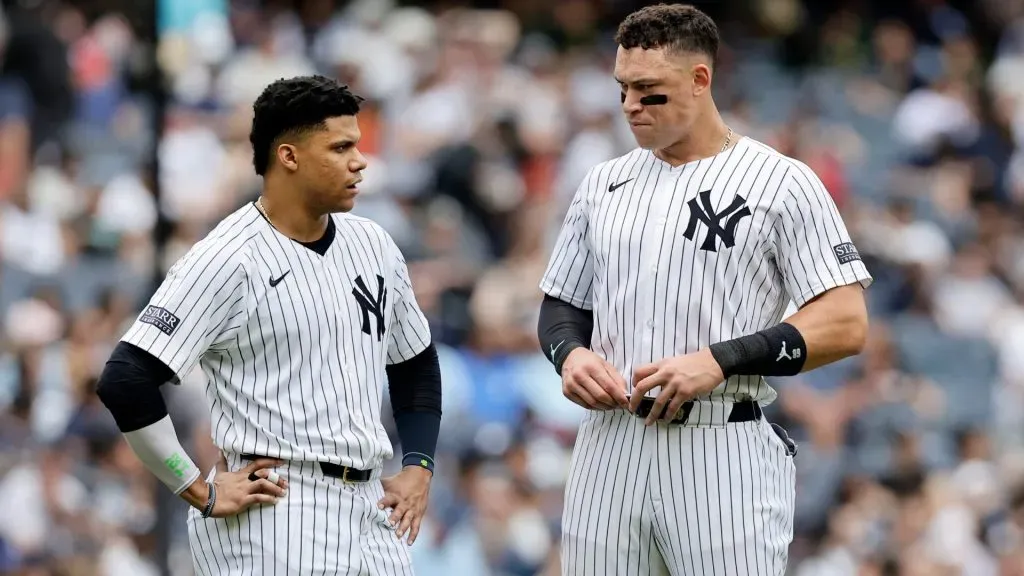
[(681, 378), (591, 382), (236, 492), (406, 493)]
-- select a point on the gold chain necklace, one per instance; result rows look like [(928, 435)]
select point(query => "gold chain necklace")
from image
[(263, 209), (728, 140)]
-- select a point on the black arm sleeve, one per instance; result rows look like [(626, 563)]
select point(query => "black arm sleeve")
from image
[(130, 387), (562, 328), (415, 389)]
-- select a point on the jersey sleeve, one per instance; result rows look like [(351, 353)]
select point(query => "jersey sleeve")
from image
[(410, 332), (813, 247), (570, 272), (201, 302)]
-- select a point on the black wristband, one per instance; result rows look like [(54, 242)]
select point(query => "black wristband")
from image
[(776, 351), (418, 459), (210, 501)]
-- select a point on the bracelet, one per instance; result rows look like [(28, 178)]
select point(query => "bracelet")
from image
[(418, 459), (211, 500)]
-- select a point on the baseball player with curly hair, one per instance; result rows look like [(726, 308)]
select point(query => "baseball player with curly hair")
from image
[(300, 315)]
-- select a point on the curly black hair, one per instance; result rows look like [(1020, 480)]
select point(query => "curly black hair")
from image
[(679, 27), (292, 106)]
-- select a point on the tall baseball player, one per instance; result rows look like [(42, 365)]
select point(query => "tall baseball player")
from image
[(662, 313), (297, 313)]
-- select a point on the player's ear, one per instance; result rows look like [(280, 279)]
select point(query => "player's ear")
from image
[(701, 75), (287, 157)]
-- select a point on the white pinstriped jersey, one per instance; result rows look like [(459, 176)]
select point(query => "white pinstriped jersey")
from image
[(293, 343), (673, 259)]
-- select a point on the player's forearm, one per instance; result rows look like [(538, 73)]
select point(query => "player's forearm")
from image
[(834, 326), (129, 387), (825, 330), (157, 447), (415, 390), (196, 494), (561, 328)]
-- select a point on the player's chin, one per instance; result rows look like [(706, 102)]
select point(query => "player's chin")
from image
[(645, 136), (346, 201)]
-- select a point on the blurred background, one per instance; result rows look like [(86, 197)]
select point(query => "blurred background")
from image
[(124, 139)]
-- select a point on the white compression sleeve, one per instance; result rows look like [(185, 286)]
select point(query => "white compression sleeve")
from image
[(158, 448)]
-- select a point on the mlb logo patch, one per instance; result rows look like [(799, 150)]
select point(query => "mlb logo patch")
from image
[(161, 318), (846, 252)]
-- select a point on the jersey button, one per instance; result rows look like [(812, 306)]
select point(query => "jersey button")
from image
[(654, 269), (650, 323)]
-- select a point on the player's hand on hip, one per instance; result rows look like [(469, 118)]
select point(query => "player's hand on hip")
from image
[(681, 378), (255, 484), (591, 382), (407, 494)]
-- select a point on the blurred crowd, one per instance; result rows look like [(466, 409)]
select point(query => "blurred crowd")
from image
[(480, 121)]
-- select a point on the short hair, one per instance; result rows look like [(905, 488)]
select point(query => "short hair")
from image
[(677, 27), (293, 106)]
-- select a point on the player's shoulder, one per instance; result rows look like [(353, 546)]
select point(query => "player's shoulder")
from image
[(623, 160), (237, 230), (226, 245), (363, 230), (792, 166), (348, 223)]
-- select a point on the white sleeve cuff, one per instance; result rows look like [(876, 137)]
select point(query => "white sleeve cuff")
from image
[(158, 448)]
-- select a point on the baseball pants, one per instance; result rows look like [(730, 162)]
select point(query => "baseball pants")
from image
[(678, 499), (322, 526)]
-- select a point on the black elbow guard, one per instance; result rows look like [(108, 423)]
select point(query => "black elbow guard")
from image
[(129, 387)]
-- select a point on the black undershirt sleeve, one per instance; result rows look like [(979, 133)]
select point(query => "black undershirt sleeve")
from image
[(562, 328), (415, 390), (129, 387)]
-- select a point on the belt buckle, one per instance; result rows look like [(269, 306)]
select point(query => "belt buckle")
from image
[(344, 475), (682, 417)]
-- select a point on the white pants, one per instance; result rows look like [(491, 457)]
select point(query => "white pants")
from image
[(323, 526), (677, 500)]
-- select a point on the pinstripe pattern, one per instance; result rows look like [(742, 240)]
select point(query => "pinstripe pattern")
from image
[(334, 528), (296, 371), (656, 294), (607, 523), (711, 497), (679, 500)]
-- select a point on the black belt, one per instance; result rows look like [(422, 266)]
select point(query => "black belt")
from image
[(745, 411), (345, 473)]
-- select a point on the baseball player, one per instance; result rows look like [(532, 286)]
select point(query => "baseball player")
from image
[(662, 313), (297, 313)]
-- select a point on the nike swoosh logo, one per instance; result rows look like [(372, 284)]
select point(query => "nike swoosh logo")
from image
[(555, 348), (614, 187), (275, 281)]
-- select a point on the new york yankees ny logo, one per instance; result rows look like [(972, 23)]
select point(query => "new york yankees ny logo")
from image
[(732, 214), (371, 305)]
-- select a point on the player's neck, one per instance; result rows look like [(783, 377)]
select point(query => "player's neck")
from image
[(707, 137), (292, 219)]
